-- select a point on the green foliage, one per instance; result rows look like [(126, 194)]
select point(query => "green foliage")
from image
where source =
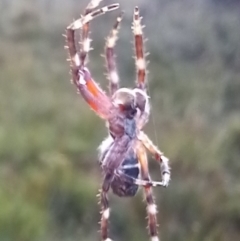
[(49, 174)]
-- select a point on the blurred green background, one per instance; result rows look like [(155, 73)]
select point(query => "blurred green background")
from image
[(49, 174)]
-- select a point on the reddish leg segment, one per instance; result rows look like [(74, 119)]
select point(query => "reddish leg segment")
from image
[(140, 63), (105, 213), (81, 76), (139, 51)]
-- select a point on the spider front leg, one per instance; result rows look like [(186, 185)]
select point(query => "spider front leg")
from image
[(81, 76), (165, 169), (151, 206), (110, 56), (139, 50), (140, 62)]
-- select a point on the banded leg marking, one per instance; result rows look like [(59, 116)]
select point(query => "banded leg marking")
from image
[(105, 210), (151, 206), (77, 24), (137, 181), (81, 77), (139, 50), (110, 56)]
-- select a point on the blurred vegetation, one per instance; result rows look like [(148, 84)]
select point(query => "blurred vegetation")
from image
[(49, 175)]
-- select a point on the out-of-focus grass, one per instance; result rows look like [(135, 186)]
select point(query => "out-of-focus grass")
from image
[(49, 174)]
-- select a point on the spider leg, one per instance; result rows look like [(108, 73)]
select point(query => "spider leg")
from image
[(137, 181), (84, 33), (81, 76), (110, 56), (139, 50), (151, 206), (105, 213), (79, 23), (140, 62), (84, 36), (165, 169)]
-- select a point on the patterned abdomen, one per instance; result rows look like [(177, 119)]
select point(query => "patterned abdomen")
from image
[(120, 186)]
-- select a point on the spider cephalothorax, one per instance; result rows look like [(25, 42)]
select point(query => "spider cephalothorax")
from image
[(122, 157)]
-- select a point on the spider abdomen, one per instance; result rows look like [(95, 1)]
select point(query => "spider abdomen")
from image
[(121, 186)]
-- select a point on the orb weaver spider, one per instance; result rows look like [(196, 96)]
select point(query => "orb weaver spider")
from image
[(123, 157)]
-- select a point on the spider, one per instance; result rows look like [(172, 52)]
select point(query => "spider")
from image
[(123, 157)]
